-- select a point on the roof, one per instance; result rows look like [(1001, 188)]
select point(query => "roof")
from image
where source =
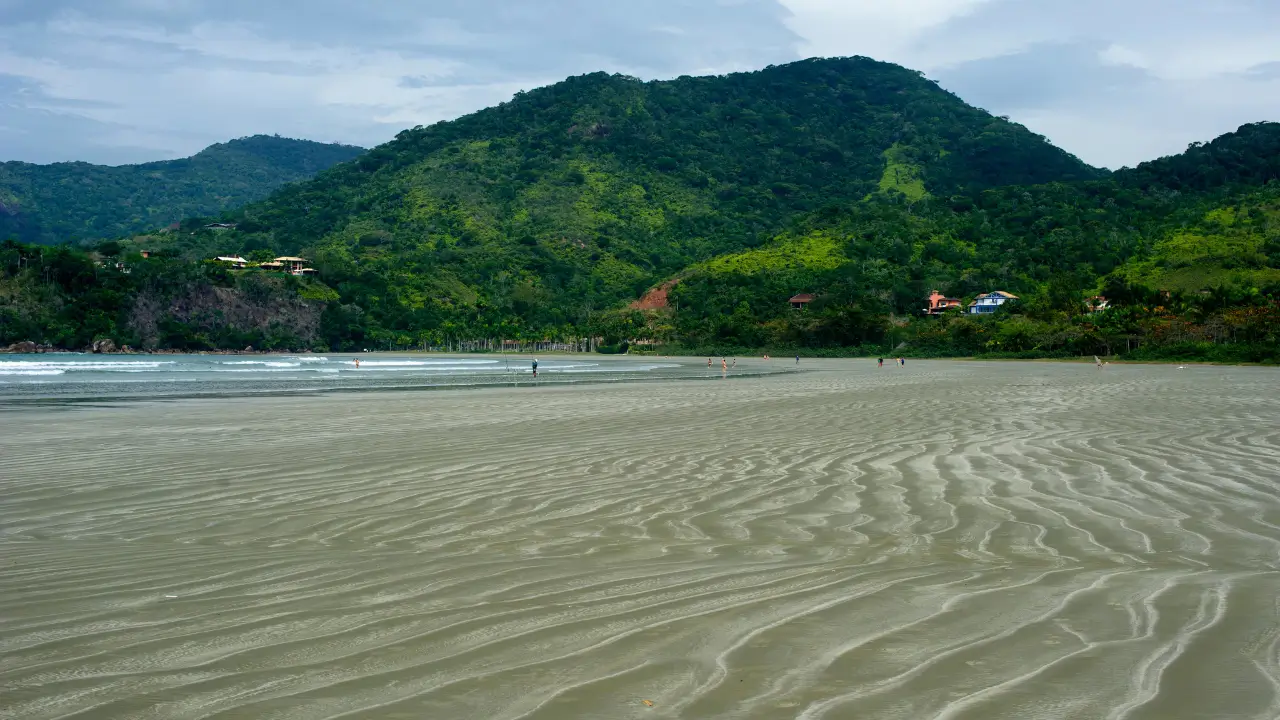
[(1001, 293), (290, 259), (802, 297), (231, 259), (270, 264)]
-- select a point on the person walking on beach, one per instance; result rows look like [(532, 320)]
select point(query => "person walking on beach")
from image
[(880, 362), (535, 367), (734, 363), (357, 363), (708, 363), (724, 364), (797, 359), (902, 362)]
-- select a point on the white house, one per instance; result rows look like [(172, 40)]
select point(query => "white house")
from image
[(234, 261), (989, 302)]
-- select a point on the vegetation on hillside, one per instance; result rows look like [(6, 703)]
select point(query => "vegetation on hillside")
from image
[(69, 298), (861, 183), (68, 202), (575, 198), (1149, 240)]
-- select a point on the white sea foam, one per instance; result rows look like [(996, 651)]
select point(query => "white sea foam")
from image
[(82, 366), (50, 371), (424, 363)]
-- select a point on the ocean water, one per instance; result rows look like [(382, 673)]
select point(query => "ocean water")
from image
[(77, 375)]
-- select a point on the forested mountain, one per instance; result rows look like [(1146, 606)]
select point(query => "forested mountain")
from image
[(576, 197), (858, 182), (66, 202)]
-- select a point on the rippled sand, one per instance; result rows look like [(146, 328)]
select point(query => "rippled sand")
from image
[(952, 540)]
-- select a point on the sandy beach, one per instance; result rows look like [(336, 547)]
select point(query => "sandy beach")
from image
[(945, 540)]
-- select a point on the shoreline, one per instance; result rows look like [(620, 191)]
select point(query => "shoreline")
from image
[(32, 349)]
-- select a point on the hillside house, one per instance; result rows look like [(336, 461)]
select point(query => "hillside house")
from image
[(1097, 304), (291, 264), (989, 302), (235, 261), (799, 302), (939, 303)]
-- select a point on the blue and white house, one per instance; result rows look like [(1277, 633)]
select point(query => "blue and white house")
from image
[(989, 302)]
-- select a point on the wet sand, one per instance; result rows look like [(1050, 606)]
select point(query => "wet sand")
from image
[(948, 540)]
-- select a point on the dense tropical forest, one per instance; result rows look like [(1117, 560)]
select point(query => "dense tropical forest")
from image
[(67, 202), (686, 213)]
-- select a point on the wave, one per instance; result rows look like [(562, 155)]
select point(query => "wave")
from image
[(4, 371), (264, 363), (425, 363), (88, 366)]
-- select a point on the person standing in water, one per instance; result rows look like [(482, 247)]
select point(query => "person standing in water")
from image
[(734, 364), (708, 363), (535, 367), (357, 363), (724, 364), (902, 362)]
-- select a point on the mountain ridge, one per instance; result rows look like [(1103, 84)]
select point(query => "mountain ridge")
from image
[(74, 201)]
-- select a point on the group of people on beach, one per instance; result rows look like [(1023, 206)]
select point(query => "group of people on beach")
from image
[(902, 362), (724, 364)]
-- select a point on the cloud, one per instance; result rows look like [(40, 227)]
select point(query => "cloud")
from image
[(1114, 81), (147, 79)]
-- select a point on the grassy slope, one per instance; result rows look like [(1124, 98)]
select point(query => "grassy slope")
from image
[(1235, 243)]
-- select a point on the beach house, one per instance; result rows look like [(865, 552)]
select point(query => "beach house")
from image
[(939, 303), (988, 302), (1097, 304), (799, 302)]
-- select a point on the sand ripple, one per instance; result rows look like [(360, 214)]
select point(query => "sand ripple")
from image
[(954, 540)]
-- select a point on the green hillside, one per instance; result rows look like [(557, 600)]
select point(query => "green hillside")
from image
[(66, 202), (859, 182), (576, 197), (1235, 243), (1167, 233)]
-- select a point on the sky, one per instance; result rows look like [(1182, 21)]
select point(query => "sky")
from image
[(1115, 82)]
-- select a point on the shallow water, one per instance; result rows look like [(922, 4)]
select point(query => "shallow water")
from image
[(948, 540), (80, 375)]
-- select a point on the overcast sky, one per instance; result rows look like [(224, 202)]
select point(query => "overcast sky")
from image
[(114, 81)]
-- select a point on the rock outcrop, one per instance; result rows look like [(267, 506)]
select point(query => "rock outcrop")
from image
[(26, 346)]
